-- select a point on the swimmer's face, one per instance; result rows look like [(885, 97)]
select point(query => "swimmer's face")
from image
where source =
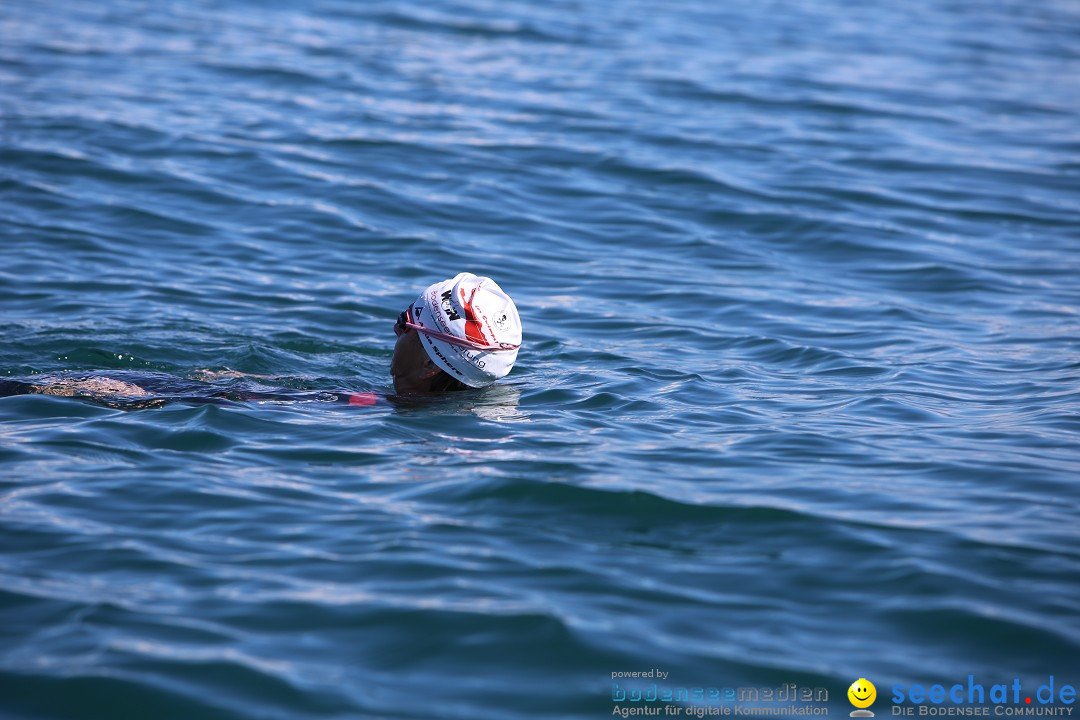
[(411, 368)]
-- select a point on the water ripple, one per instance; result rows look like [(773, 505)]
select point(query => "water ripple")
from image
[(798, 381)]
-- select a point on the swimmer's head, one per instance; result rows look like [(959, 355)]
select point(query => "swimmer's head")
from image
[(462, 332)]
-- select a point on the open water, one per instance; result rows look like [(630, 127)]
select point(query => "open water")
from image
[(798, 400)]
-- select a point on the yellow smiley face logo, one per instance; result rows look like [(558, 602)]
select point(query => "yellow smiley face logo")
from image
[(862, 693)]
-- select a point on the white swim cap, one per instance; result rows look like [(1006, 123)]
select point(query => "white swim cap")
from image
[(473, 309)]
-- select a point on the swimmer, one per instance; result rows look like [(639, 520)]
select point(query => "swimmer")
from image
[(458, 334)]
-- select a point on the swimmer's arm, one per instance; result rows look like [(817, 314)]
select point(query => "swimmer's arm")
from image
[(348, 398)]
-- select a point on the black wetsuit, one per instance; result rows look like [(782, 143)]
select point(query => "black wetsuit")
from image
[(157, 389)]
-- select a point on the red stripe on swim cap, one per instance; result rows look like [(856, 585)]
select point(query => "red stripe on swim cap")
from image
[(473, 329)]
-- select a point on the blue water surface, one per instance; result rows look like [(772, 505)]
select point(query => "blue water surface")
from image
[(798, 401)]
